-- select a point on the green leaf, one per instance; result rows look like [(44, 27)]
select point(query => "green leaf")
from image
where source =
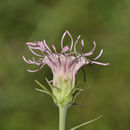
[(88, 122), (45, 89), (71, 92), (77, 104), (49, 84), (76, 93)]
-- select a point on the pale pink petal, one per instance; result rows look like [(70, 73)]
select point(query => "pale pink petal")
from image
[(71, 46), (33, 70), (91, 52), (62, 39), (98, 55), (82, 45), (94, 44), (36, 69), (31, 43), (47, 46), (76, 44), (99, 63), (88, 54), (30, 48), (65, 49), (26, 60), (54, 48)]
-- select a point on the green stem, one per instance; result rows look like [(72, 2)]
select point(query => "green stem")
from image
[(62, 117)]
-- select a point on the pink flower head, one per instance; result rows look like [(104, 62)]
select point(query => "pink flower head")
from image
[(65, 64)]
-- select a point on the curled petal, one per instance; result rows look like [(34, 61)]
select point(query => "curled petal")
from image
[(62, 39), (31, 43), (31, 49), (88, 54), (42, 46), (33, 70), (91, 52), (98, 55), (76, 44), (36, 69), (36, 63), (82, 45), (47, 46), (32, 61), (99, 63), (54, 48), (36, 46), (65, 49), (94, 43), (26, 60)]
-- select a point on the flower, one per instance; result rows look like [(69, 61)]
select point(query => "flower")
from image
[(64, 65)]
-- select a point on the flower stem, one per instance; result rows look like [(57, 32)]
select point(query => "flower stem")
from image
[(62, 117)]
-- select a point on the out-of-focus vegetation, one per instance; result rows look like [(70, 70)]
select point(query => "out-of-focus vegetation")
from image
[(105, 21)]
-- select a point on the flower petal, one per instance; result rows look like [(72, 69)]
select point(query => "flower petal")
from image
[(76, 44), (47, 46), (31, 49), (82, 45), (62, 39), (54, 48), (99, 63), (65, 49), (36, 69), (98, 55)]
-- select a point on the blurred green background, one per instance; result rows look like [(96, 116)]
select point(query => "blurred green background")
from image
[(105, 21)]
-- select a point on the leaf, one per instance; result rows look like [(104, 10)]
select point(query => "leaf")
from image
[(71, 92), (40, 90), (76, 93), (45, 89), (49, 84), (77, 104), (88, 122)]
